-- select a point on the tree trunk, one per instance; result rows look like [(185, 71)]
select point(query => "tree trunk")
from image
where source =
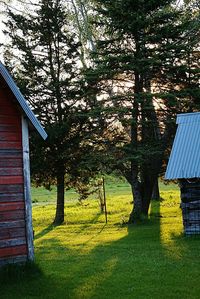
[(59, 217), (142, 194), (147, 190), (135, 215), (156, 192), (149, 181)]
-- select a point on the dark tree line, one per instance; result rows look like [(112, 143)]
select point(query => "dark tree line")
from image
[(51, 78), (147, 62), (118, 114)]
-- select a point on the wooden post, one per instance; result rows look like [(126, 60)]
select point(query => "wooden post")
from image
[(104, 197), (27, 189)]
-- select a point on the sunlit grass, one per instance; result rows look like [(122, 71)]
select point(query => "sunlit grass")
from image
[(171, 226), (87, 258)]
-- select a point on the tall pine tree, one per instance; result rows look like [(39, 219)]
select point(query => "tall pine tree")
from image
[(143, 66), (46, 56)]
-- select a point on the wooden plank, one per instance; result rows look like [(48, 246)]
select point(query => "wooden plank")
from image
[(10, 144), (10, 136), (11, 233), (10, 153), (11, 188), (11, 171), (11, 162), (9, 108), (5, 97), (192, 231), (12, 251), (11, 206), (12, 260), (7, 119), (8, 111), (191, 222), (27, 189), (10, 198), (11, 180), (12, 224), (12, 242), (8, 128), (6, 102), (11, 215)]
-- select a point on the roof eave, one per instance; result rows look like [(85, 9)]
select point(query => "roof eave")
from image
[(22, 102)]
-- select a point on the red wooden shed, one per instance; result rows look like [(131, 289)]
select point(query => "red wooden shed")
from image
[(16, 117)]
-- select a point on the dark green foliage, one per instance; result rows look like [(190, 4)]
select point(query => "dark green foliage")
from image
[(147, 63), (145, 70), (50, 75)]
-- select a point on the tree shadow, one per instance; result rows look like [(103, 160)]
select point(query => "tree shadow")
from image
[(87, 225), (45, 231), (27, 281), (52, 226), (142, 262)]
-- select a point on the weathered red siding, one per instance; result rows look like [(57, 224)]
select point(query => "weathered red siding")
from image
[(12, 211)]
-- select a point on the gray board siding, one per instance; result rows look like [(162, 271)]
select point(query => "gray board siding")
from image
[(184, 160), (22, 102)]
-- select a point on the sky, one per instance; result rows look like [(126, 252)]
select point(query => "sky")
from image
[(15, 4), (2, 27)]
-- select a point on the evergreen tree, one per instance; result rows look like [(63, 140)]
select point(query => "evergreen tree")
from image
[(46, 53), (143, 66)]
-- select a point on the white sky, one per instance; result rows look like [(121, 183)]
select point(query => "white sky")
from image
[(2, 37), (2, 27), (15, 4)]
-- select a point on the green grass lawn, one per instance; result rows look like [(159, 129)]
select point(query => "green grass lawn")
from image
[(86, 258)]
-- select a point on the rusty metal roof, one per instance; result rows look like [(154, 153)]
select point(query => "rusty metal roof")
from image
[(22, 102), (184, 161)]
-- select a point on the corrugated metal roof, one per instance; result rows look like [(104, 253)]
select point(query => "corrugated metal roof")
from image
[(188, 117), (22, 102), (184, 161)]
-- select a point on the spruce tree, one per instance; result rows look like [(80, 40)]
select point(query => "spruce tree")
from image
[(45, 56), (142, 65)]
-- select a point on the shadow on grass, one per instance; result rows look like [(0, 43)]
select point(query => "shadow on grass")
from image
[(141, 262), (44, 232), (95, 235), (28, 281), (88, 224), (50, 227), (17, 272)]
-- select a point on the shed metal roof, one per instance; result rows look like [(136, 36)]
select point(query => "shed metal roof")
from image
[(22, 102), (184, 161)]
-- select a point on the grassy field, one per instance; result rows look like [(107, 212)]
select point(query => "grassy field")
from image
[(86, 258)]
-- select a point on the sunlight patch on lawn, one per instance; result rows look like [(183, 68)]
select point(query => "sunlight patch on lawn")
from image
[(89, 285), (77, 239), (171, 228)]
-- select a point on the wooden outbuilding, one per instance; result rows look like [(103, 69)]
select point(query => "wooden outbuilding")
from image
[(16, 118), (184, 166)]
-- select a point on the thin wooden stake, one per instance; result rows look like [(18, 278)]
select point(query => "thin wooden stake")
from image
[(104, 197)]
